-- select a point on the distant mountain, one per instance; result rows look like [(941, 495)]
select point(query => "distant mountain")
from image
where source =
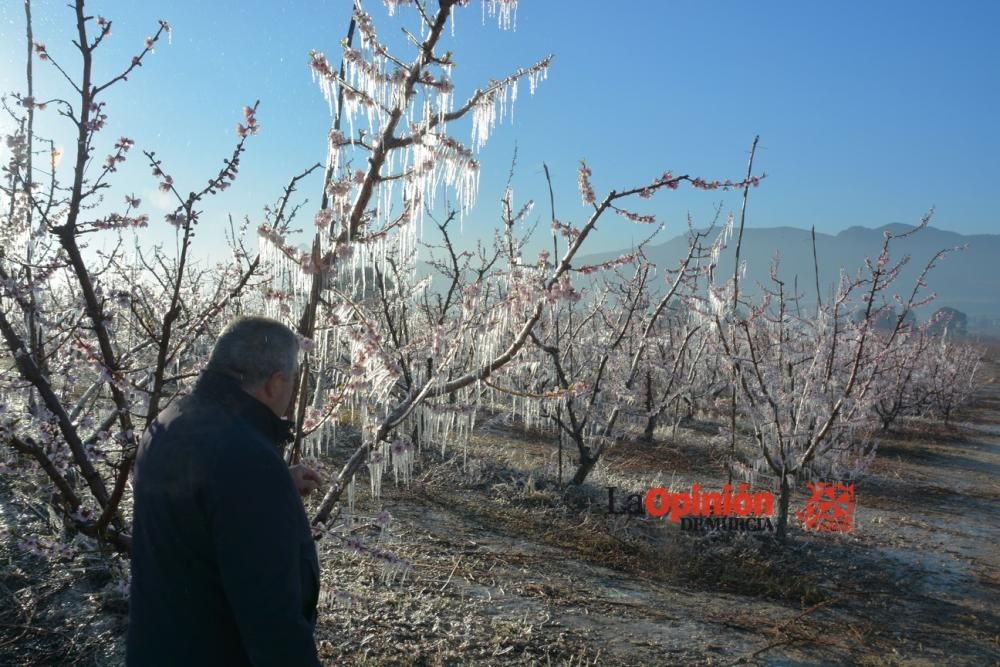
[(967, 280)]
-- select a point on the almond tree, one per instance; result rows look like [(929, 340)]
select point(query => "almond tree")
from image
[(604, 354), (682, 369), (899, 391), (807, 384), (369, 223), (949, 375), (97, 342), (681, 375)]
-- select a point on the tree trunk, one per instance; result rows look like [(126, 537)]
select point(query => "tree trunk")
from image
[(647, 433), (783, 498), (587, 463)]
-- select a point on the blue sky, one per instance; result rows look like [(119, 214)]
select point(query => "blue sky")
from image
[(868, 113)]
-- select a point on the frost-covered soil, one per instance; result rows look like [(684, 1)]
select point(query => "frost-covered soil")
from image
[(506, 570)]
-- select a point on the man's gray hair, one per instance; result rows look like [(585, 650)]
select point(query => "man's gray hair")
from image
[(252, 349)]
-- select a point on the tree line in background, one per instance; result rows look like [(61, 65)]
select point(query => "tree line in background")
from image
[(98, 341)]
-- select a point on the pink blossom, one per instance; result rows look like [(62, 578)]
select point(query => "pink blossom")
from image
[(637, 218), (251, 127), (583, 181), (337, 138), (311, 419), (323, 218)]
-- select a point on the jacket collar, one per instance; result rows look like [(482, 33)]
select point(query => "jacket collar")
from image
[(221, 387)]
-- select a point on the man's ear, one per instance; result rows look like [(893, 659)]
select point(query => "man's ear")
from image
[(272, 387)]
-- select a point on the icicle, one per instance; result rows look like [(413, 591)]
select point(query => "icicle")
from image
[(504, 10), (376, 466), (402, 461)]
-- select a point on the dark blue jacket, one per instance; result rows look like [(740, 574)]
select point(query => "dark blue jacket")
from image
[(224, 568)]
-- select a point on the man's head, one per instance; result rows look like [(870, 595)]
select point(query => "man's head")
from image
[(263, 355)]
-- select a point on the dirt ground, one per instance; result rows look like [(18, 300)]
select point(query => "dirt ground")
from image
[(505, 573), (502, 568)]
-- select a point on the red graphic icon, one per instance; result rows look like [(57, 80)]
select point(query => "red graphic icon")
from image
[(831, 508)]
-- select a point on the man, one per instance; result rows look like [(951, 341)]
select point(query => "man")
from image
[(224, 568)]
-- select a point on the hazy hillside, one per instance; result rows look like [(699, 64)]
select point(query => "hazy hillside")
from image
[(967, 279)]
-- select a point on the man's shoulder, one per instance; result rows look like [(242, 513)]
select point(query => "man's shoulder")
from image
[(189, 419), (199, 440), (192, 429)]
